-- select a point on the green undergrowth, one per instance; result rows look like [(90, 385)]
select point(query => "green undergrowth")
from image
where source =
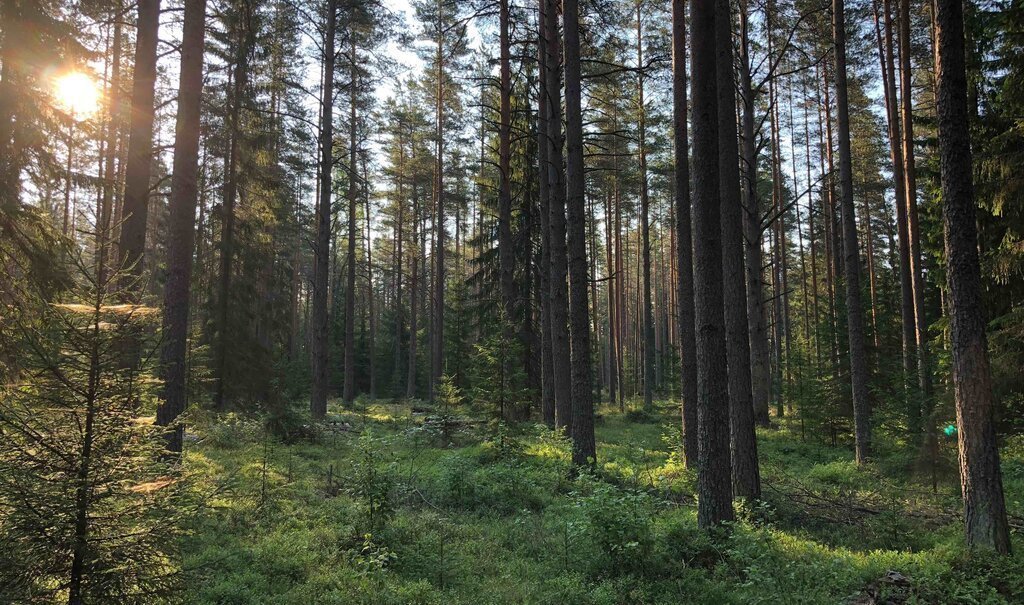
[(401, 504)]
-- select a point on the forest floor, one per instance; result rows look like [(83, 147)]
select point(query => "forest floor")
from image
[(384, 504)]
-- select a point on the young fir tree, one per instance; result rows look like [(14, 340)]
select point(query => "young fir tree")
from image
[(87, 510)]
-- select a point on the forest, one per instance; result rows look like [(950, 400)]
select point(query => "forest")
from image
[(572, 302)]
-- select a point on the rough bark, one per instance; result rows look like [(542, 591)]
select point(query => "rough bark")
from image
[(924, 376), (239, 79), (746, 479), (437, 327), (883, 33), (584, 450), (135, 207), (760, 364), (181, 223), (980, 478), (645, 219), (560, 353), (349, 388), (851, 252), (543, 173), (684, 235), (714, 504), (319, 349)]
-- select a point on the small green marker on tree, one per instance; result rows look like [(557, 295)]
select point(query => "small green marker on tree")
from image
[(950, 430)]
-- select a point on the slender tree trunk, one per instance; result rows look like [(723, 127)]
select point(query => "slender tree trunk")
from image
[(135, 207), (544, 174), (980, 477), (851, 253), (109, 173), (505, 252), (239, 79), (811, 235), (885, 51), (760, 364), (869, 245), (684, 236), (645, 223), (410, 384), (319, 347), (560, 351), (584, 452), (924, 375), (437, 331), (371, 345), (182, 227), (613, 370), (746, 479), (349, 392), (84, 484), (399, 262)]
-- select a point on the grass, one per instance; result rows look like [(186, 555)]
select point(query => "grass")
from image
[(379, 508)]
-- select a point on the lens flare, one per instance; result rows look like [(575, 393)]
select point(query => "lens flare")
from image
[(77, 93)]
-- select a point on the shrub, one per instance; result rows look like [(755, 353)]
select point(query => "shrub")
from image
[(372, 480), (619, 523)]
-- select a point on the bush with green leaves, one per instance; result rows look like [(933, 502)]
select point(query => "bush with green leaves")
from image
[(619, 522)]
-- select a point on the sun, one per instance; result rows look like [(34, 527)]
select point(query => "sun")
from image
[(77, 93)]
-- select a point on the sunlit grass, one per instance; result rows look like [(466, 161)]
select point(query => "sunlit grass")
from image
[(286, 528)]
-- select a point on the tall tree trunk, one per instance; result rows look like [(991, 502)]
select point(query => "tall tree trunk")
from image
[(924, 375), (851, 252), (714, 492), (684, 236), (812, 234), (753, 264), (505, 251), (182, 224), (885, 55), (410, 384), (980, 477), (645, 220), (135, 207), (584, 452), (349, 392), (319, 347), (239, 79), (109, 180), (613, 370), (399, 261), (560, 352), (544, 173), (437, 329), (371, 345), (746, 478), (506, 254)]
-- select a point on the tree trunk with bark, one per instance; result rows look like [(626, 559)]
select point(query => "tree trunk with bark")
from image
[(182, 225), (980, 477), (543, 173), (851, 252), (135, 207), (684, 236), (319, 348), (584, 449), (560, 351), (714, 491), (746, 478), (753, 264), (349, 389)]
